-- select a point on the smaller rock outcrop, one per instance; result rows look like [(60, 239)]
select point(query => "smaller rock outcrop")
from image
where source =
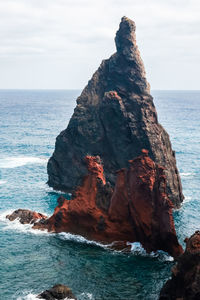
[(136, 210), (58, 291), (185, 281), (26, 216)]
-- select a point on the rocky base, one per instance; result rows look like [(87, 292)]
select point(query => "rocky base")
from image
[(58, 291), (185, 281), (136, 210)]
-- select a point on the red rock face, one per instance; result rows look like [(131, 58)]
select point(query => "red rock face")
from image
[(137, 210), (84, 214), (140, 196)]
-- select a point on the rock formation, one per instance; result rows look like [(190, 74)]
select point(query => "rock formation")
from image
[(138, 209), (114, 118), (185, 281), (26, 216), (58, 291)]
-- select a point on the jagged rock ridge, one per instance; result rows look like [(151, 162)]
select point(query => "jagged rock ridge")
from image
[(114, 118)]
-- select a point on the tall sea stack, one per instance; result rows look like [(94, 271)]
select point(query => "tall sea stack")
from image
[(115, 118)]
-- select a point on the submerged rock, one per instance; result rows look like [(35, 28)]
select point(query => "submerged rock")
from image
[(26, 216), (115, 118), (137, 210), (58, 291), (185, 281)]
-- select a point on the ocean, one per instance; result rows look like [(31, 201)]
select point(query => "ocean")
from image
[(32, 261)]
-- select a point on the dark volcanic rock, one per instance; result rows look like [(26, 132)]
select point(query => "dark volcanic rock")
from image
[(185, 281), (137, 210), (26, 216), (58, 291), (114, 118)]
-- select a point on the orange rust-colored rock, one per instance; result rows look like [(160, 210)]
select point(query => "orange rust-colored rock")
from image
[(140, 196), (86, 213), (137, 210)]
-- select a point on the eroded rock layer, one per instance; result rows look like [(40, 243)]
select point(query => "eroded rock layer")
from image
[(137, 209), (185, 281), (114, 118)]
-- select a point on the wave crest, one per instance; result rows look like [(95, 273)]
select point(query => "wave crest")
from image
[(2, 182), (14, 162), (186, 174), (137, 249)]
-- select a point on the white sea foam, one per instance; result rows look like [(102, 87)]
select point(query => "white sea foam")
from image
[(137, 249), (2, 182), (80, 239), (86, 296), (187, 199), (49, 189), (186, 174), (18, 161), (28, 297), (17, 226)]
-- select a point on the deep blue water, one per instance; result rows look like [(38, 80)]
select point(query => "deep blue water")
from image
[(33, 261)]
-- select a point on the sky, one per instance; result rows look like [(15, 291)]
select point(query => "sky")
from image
[(59, 44)]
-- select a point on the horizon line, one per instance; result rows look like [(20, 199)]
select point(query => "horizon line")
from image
[(78, 89)]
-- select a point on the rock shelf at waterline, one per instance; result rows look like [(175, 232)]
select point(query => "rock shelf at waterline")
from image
[(115, 118), (136, 210)]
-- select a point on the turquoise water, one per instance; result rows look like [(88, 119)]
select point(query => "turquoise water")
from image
[(32, 261)]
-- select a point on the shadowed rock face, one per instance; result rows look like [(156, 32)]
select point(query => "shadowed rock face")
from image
[(114, 118), (138, 209), (185, 281)]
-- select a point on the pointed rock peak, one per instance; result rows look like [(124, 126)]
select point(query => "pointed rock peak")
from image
[(126, 40)]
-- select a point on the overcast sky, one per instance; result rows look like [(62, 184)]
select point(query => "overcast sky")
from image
[(60, 43)]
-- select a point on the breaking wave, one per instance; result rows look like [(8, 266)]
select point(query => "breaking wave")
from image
[(136, 247), (80, 239), (2, 182), (14, 162), (186, 174), (16, 225), (30, 296)]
